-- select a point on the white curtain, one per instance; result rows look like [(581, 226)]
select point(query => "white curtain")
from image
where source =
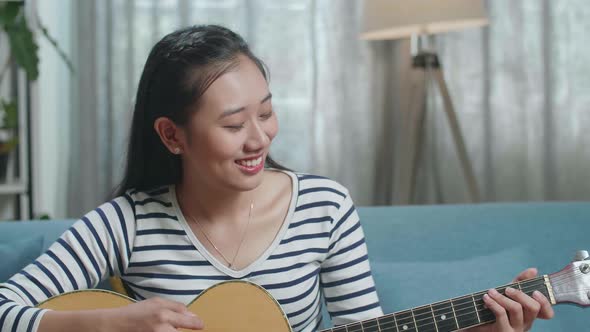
[(327, 85), (520, 87), (522, 90)]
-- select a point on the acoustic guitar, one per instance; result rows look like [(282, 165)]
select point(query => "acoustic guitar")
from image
[(241, 306)]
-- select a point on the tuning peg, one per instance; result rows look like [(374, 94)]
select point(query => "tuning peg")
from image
[(581, 255)]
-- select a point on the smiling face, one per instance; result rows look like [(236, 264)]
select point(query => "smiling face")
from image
[(229, 136)]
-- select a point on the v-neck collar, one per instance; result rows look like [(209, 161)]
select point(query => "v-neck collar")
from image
[(263, 257)]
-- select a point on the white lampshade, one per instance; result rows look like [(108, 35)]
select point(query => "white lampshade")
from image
[(392, 19)]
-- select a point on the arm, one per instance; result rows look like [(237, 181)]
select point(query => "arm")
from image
[(94, 247), (346, 278), (150, 315)]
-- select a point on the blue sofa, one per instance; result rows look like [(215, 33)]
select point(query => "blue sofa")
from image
[(422, 254)]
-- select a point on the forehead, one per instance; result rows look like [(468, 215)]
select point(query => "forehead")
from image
[(242, 86)]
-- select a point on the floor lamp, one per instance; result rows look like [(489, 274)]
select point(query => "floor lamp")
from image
[(395, 19)]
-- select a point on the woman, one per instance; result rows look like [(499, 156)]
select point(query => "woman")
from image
[(197, 206)]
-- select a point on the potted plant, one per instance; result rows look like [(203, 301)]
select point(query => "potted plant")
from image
[(22, 53)]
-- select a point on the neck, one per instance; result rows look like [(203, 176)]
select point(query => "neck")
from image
[(451, 315), (209, 202)]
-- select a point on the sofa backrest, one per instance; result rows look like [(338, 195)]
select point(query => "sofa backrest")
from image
[(425, 254), (21, 242)]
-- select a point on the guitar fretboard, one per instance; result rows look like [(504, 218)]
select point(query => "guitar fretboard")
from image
[(446, 316)]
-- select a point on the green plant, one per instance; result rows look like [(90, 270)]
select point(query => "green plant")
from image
[(23, 52)]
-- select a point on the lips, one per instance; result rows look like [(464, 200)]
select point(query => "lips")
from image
[(250, 162), (251, 166)]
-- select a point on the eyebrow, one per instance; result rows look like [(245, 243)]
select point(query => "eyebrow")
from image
[(229, 112)]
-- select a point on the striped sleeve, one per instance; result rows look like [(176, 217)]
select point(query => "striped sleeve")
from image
[(94, 248), (347, 283)]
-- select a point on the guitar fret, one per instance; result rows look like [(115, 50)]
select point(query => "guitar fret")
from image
[(387, 323), (370, 326), (485, 315), (355, 327), (424, 319), (476, 311), (534, 285), (414, 319), (433, 318), (454, 313), (466, 314), (405, 321), (442, 312)]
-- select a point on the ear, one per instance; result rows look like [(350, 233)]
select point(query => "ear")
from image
[(171, 135)]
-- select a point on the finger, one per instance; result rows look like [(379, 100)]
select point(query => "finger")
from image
[(498, 311), (546, 311), (514, 309), (529, 305), (178, 309), (526, 274), (173, 306), (185, 321)]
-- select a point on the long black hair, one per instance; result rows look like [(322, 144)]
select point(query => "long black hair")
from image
[(178, 70)]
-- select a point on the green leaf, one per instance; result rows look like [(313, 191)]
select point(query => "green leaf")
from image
[(55, 45), (22, 44), (9, 11), (23, 47)]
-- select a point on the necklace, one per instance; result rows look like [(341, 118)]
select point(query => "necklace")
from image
[(227, 261)]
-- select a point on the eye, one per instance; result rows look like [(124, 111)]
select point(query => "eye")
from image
[(235, 128), (266, 115)]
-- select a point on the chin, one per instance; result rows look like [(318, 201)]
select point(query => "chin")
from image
[(244, 182)]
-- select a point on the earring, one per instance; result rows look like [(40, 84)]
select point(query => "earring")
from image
[(176, 150)]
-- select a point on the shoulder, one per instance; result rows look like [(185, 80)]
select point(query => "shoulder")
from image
[(317, 185), (320, 195), (137, 202), (155, 194)]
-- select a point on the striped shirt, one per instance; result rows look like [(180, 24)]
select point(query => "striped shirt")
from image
[(144, 238)]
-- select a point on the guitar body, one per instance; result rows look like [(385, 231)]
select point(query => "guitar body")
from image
[(241, 306), (230, 306)]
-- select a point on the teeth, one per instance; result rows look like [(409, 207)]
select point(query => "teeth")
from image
[(250, 163)]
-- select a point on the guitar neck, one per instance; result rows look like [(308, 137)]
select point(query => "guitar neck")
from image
[(450, 315)]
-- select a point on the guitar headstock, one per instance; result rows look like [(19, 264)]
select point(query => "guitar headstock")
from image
[(572, 283)]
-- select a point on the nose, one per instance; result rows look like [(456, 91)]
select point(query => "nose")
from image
[(257, 137)]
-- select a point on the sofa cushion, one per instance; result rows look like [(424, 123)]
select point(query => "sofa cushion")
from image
[(404, 285), (17, 254)]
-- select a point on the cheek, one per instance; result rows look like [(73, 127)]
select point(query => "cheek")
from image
[(272, 128), (221, 144)]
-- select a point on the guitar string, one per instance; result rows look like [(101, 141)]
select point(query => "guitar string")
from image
[(528, 286), (525, 289), (480, 308), (459, 313)]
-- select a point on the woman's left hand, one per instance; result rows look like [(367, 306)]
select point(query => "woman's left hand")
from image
[(516, 311)]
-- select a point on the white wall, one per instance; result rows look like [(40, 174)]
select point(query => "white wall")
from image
[(51, 108)]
